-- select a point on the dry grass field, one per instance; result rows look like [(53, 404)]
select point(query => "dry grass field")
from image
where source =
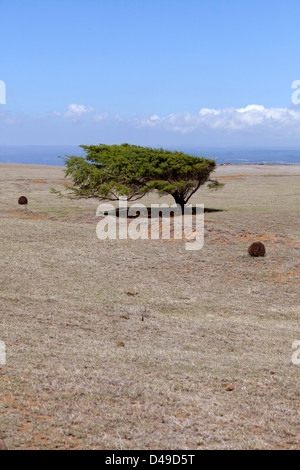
[(132, 344)]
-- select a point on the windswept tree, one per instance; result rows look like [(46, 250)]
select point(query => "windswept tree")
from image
[(107, 172)]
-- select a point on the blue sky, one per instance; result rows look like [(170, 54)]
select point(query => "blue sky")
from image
[(165, 72)]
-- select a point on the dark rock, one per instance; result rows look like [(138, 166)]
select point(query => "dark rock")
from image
[(257, 249), (23, 200)]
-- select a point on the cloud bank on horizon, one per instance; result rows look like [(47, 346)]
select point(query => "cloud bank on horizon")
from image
[(229, 119), (251, 121), (251, 117), (233, 120)]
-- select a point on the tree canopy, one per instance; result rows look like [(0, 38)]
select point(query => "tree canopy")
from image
[(107, 172)]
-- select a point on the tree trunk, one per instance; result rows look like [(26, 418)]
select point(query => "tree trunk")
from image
[(179, 199)]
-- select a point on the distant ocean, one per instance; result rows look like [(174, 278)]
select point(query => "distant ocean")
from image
[(49, 155)]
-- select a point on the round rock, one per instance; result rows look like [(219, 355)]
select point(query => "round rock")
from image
[(257, 249), (23, 200)]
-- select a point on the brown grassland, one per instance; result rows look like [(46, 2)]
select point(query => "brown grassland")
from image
[(132, 344)]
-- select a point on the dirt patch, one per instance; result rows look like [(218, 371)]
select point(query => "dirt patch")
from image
[(21, 214), (231, 178)]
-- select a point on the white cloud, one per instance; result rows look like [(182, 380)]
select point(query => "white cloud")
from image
[(154, 118), (56, 114), (100, 117), (250, 118), (251, 107), (77, 112), (207, 111)]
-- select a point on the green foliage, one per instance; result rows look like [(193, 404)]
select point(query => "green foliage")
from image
[(111, 171)]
